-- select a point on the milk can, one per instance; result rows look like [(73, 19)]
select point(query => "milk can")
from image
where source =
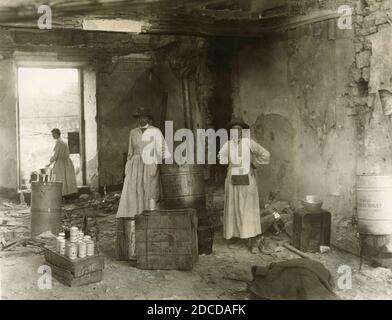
[(90, 248), (73, 251), (82, 248)]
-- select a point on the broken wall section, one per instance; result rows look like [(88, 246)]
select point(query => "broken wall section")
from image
[(371, 87)]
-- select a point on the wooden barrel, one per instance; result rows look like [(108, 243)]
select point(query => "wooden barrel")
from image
[(374, 205), (183, 187), (46, 200)]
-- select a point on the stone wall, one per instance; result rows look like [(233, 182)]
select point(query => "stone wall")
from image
[(370, 73)]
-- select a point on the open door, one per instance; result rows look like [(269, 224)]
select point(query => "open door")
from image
[(49, 98)]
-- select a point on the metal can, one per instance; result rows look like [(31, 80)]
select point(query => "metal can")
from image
[(86, 238), (58, 239), (73, 251), (74, 231), (82, 249), (62, 234), (62, 246), (152, 205), (74, 234), (80, 235), (90, 248)]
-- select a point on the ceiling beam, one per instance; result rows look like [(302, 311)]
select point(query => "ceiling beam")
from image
[(70, 7), (183, 24), (179, 25)]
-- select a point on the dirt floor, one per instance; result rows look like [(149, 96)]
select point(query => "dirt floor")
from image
[(221, 275)]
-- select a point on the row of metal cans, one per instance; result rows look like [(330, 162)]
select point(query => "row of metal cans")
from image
[(79, 246)]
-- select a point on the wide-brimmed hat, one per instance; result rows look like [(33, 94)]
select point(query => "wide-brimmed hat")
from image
[(142, 112), (237, 122)]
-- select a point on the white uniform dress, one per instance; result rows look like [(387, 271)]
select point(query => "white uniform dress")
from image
[(141, 179), (63, 167), (241, 217)]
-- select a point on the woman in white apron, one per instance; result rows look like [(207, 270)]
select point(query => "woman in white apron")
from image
[(241, 209), (63, 168), (146, 150)]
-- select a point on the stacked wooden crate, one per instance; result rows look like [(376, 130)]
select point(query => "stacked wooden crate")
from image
[(77, 272)]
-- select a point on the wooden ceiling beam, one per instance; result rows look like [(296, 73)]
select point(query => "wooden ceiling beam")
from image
[(195, 25), (179, 25), (78, 7)]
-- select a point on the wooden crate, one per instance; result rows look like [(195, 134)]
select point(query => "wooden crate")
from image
[(75, 272), (68, 279), (166, 239), (311, 230)]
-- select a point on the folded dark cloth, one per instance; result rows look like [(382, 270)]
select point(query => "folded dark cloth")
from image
[(297, 279)]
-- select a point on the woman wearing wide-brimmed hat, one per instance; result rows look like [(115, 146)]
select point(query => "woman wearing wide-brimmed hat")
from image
[(241, 209), (141, 182)]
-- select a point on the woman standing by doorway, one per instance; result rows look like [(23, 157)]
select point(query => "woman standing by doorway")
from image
[(63, 167)]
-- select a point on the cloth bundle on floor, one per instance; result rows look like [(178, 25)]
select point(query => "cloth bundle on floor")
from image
[(297, 279)]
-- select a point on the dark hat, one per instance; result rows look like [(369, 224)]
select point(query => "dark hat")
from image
[(237, 122), (141, 111)]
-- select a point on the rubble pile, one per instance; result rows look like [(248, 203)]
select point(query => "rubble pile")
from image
[(82, 212), (14, 225)]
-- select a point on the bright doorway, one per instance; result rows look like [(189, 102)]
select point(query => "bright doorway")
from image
[(49, 98)]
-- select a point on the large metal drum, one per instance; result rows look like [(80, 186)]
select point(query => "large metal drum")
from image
[(46, 207), (183, 187), (374, 205)]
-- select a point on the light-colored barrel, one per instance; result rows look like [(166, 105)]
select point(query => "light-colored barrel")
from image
[(374, 205), (183, 187), (45, 207)]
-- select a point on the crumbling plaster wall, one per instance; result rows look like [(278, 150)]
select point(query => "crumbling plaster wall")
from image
[(371, 72), (294, 88), (8, 138), (123, 86), (128, 82)]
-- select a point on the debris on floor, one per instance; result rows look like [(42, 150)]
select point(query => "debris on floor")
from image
[(295, 279), (224, 274), (15, 221)]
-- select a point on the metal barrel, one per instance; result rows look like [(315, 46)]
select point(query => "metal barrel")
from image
[(374, 204), (46, 200), (183, 187)]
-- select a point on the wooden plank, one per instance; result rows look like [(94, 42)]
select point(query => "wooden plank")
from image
[(318, 16), (125, 239), (165, 262), (165, 97), (79, 266)]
